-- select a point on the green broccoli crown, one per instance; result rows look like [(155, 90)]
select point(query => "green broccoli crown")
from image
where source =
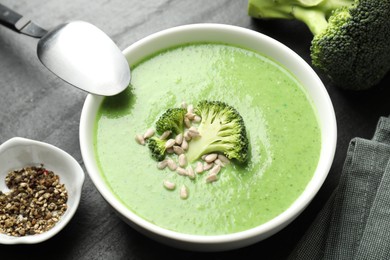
[(157, 148), (354, 50), (351, 37), (172, 120), (222, 130)]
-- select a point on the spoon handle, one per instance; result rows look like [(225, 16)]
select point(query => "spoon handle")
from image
[(8, 17), (18, 23)]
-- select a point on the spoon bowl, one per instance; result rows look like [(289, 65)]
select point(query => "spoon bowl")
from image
[(77, 52), (84, 56)]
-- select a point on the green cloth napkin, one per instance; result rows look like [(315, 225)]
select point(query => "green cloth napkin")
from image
[(355, 221)]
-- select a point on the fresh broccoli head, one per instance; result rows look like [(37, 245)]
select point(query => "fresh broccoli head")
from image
[(221, 130), (351, 41), (172, 120), (157, 148)]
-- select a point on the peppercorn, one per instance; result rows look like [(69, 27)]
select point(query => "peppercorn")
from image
[(35, 203)]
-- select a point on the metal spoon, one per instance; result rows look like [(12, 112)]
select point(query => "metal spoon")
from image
[(78, 52)]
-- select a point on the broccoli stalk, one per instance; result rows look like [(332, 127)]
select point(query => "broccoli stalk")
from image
[(351, 41), (221, 130), (314, 13)]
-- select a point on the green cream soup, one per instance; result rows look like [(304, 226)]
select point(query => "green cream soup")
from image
[(281, 123)]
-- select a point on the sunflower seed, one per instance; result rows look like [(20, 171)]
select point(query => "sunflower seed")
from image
[(179, 139), (169, 185), (211, 178), (190, 172), (207, 166), (182, 160), (178, 150), (190, 116), (211, 157), (184, 145), (190, 108), (170, 143), (216, 169), (193, 132), (181, 171), (184, 105), (197, 119), (165, 135), (187, 136), (183, 192), (161, 165), (220, 163), (170, 150), (149, 133), (171, 165), (223, 159), (187, 122), (199, 167), (140, 139)]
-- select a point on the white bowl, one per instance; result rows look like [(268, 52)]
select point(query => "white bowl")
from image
[(235, 36), (17, 153)]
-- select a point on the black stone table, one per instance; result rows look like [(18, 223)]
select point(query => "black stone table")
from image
[(36, 104)]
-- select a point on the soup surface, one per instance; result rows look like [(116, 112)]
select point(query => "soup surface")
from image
[(281, 123)]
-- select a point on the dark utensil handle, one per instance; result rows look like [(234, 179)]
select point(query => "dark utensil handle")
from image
[(9, 18), (20, 24)]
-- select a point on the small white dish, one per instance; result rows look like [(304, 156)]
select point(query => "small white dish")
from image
[(17, 153)]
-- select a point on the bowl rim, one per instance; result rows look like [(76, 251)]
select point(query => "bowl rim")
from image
[(276, 223), (78, 184)]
